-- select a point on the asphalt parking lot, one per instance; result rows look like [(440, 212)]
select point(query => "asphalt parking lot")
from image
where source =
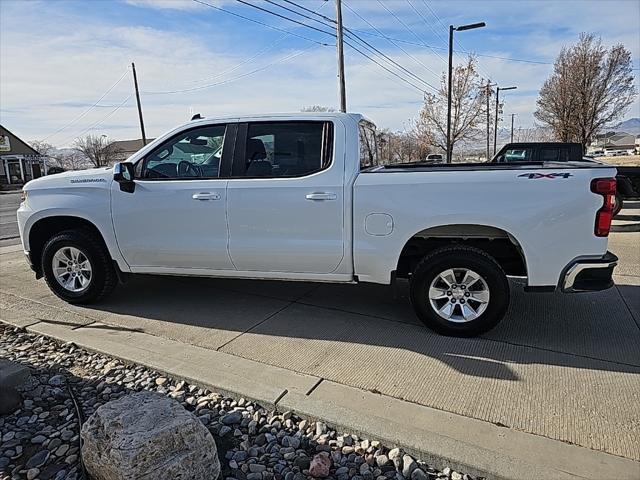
[(561, 366), (9, 203)]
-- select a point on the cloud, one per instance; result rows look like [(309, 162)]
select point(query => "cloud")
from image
[(48, 80), (166, 4)]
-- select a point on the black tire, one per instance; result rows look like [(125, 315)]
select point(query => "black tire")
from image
[(460, 257), (103, 276), (618, 203)]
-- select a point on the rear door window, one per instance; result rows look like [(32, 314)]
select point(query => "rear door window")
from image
[(284, 149)]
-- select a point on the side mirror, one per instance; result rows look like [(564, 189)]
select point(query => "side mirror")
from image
[(123, 173)]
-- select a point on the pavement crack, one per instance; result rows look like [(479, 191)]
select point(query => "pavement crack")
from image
[(256, 325), (624, 300)]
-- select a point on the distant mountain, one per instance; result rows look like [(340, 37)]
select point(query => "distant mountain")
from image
[(629, 126)]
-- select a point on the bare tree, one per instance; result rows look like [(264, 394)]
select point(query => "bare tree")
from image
[(590, 87), (72, 160), (98, 149), (467, 108), (317, 108), (43, 148), (400, 147), (533, 134)]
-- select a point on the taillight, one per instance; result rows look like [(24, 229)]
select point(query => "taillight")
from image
[(607, 188)]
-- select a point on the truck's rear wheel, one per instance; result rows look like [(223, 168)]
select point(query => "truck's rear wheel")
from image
[(459, 291), (77, 267)]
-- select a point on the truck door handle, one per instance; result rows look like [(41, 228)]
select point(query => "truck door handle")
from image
[(205, 196), (321, 196)]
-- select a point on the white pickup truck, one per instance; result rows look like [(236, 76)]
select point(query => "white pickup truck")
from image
[(302, 197)]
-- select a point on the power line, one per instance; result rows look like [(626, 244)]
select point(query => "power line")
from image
[(388, 59), (382, 66), (330, 20), (389, 39), (100, 121), (284, 17), (258, 54), (333, 35), (420, 44), (229, 80), (83, 114), (359, 39), (435, 15), (297, 13), (409, 29), (229, 12)]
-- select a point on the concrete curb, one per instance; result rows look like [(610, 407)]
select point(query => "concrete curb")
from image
[(440, 438)]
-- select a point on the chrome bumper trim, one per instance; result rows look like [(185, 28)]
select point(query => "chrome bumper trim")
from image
[(578, 267)]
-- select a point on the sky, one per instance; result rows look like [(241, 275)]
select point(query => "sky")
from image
[(65, 65)]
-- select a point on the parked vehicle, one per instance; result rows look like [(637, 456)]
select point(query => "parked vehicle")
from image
[(55, 170), (302, 197), (539, 152), (435, 157), (627, 178)]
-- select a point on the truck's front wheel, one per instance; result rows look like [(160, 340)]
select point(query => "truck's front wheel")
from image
[(459, 291), (77, 267)]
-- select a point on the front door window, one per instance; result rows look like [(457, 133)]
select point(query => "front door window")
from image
[(194, 154)]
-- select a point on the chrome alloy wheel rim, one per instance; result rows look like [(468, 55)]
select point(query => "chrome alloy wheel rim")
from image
[(459, 295), (72, 269)]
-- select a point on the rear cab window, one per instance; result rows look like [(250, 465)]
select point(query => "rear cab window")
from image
[(554, 154), (368, 147)]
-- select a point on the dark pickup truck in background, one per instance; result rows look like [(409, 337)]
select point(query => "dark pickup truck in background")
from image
[(628, 178)]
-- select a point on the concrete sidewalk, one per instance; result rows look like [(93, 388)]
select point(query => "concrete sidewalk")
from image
[(564, 367)]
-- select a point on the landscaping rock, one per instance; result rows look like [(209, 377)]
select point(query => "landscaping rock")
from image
[(142, 434), (320, 465)]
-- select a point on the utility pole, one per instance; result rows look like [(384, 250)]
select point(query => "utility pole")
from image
[(135, 83), (488, 94), (512, 115), (495, 128), (340, 50), (495, 132)]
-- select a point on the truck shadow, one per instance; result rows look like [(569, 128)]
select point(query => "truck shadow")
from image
[(268, 321)]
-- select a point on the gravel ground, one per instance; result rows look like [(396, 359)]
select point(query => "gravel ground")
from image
[(41, 439)]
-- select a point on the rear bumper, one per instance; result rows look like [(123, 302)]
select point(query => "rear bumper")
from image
[(589, 275)]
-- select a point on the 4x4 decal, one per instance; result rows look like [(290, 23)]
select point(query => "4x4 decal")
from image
[(535, 176)]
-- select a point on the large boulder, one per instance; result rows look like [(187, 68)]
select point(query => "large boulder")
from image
[(147, 436), (12, 375)]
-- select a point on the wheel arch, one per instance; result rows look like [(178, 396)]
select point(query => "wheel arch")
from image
[(46, 227), (503, 246)]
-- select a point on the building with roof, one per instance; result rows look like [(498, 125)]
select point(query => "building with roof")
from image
[(126, 148), (19, 161), (613, 143)]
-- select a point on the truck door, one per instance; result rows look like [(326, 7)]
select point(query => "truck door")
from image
[(286, 198), (175, 218)]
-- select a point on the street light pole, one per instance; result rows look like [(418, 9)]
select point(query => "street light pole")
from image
[(450, 75), (340, 52), (495, 129)]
